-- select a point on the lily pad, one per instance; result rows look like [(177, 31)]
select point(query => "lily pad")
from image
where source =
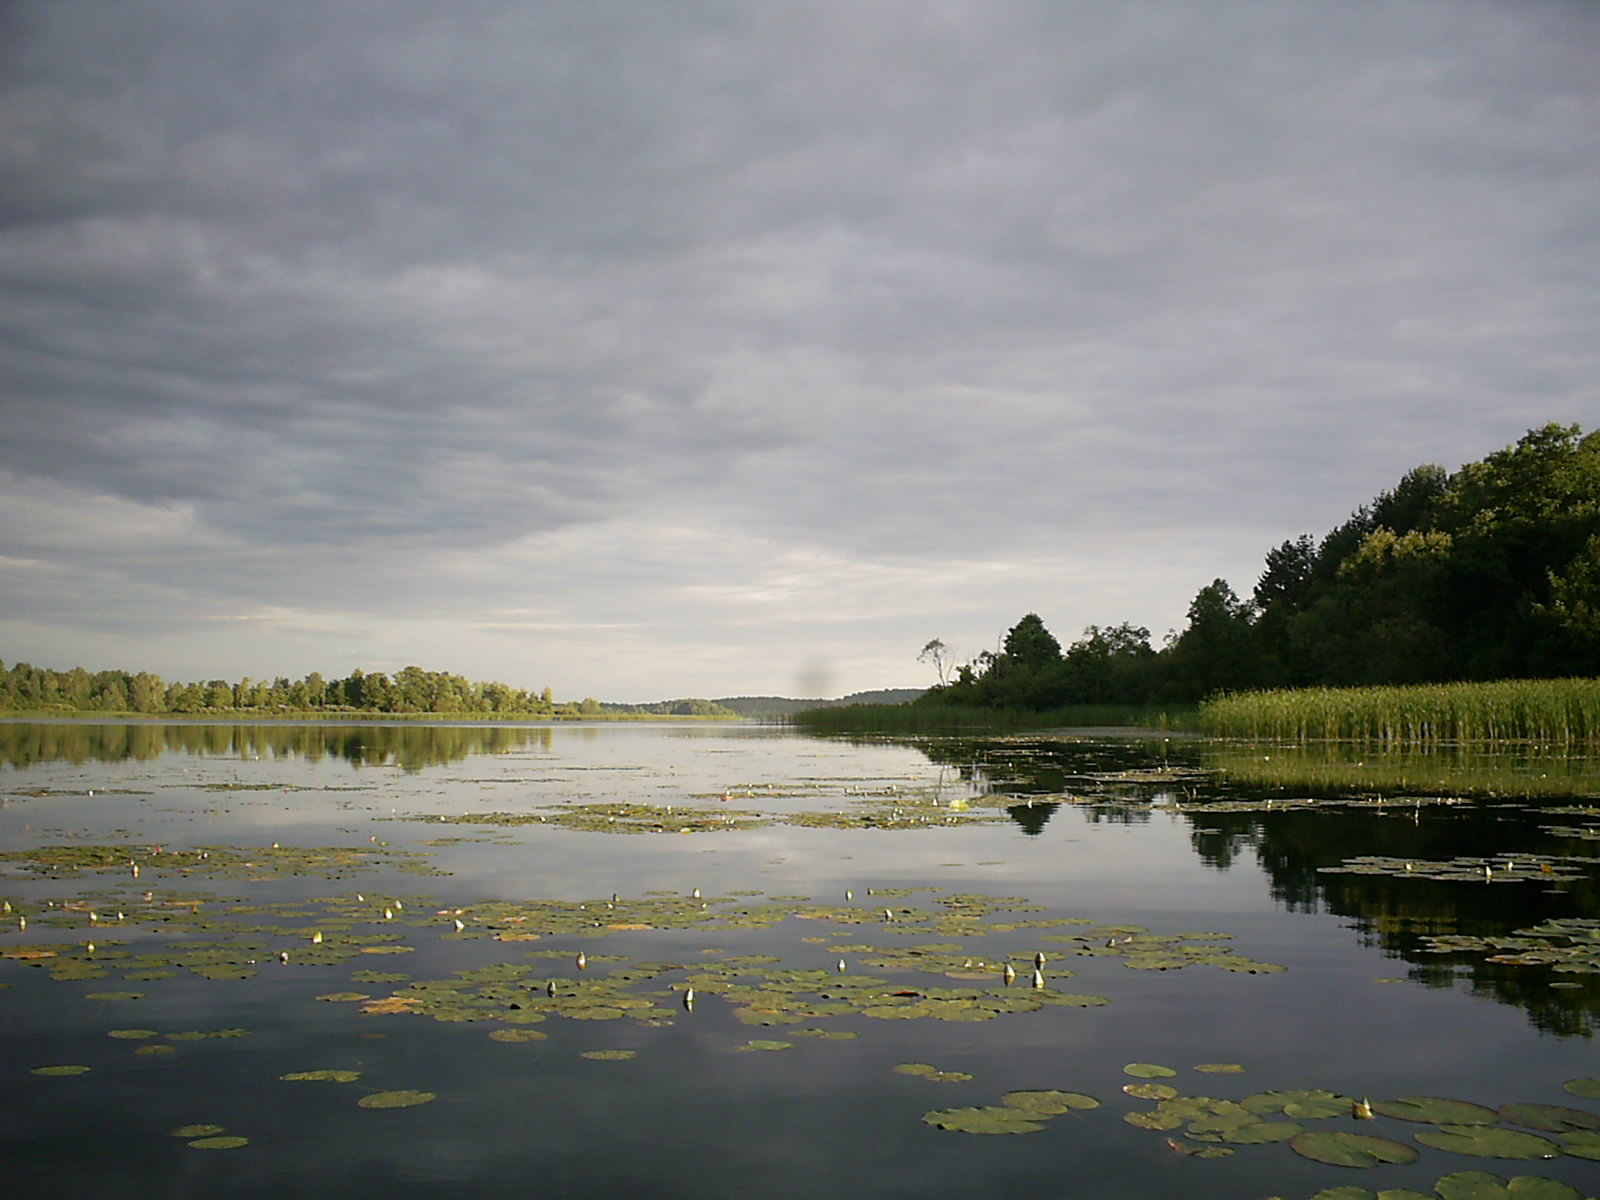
[(1350, 1149), (1257, 1133), (916, 1069), (1048, 1103), (397, 1099), (1582, 1143), (227, 1142), (62, 1070), (1308, 1104), (1553, 1118), (983, 1120), (329, 1076), (131, 1034), (1433, 1110), (1487, 1141), (766, 1044), (1482, 1185), (1141, 1070), (609, 1055), (1150, 1091), (518, 1035), (197, 1131), (1589, 1089), (1220, 1068)]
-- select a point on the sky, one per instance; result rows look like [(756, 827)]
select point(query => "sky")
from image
[(712, 348)]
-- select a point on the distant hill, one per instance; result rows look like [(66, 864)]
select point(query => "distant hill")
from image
[(674, 708), (767, 707)]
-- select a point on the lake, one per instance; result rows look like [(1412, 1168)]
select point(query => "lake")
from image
[(1243, 948)]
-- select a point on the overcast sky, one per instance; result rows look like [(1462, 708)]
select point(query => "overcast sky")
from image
[(645, 350)]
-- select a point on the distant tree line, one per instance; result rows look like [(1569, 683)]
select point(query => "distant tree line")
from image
[(1491, 572), (26, 688)]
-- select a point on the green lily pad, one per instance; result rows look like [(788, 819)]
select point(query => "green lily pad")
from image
[(131, 1034), (1489, 1142), (1154, 1119), (197, 1131), (1048, 1103), (1220, 1068), (1148, 1071), (1553, 1118), (1582, 1143), (1589, 1089), (1150, 1091), (1305, 1105), (329, 1076), (155, 1049), (1350, 1149), (1482, 1185), (766, 1044), (1361, 1193), (344, 997), (63, 1070), (1433, 1110), (230, 1142), (916, 1069), (396, 1099), (609, 1055), (518, 1035), (1257, 1133), (983, 1120)]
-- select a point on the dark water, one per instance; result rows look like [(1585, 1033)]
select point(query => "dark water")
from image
[(1151, 837)]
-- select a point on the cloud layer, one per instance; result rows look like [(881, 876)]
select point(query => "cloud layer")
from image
[(651, 350)]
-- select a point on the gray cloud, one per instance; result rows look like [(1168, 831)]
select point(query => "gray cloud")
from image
[(660, 349)]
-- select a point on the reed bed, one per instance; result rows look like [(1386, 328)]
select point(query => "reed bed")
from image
[(1560, 712)]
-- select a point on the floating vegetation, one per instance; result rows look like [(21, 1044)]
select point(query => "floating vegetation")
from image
[(72, 1069), (1487, 1141), (1140, 1070), (611, 1055), (224, 1142), (209, 862), (1435, 1111), (1142, 950), (396, 1099), (1588, 1088), (197, 1131), (1499, 869), (1552, 1118), (327, 1076), (1048, 1103), (1570, 945), (1350, 1149), (931, 1073), (1482, 1185), (766, 1044), (993, 1119), (1220, 1068)]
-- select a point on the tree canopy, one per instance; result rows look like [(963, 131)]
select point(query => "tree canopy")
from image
[(1490, 572)]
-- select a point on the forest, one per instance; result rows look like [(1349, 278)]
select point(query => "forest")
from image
[(1490, 572)]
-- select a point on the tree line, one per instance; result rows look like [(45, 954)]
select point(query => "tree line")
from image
[(27, 688), (1490, 572)]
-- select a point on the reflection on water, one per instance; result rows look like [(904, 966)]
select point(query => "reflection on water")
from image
[(253, 838), (410, 746), (1295, 844)]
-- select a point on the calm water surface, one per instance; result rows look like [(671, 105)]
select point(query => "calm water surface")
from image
[(1057, 845)]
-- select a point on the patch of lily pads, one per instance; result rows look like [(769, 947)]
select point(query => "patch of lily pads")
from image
[(1569, 945), (1017, 1112)]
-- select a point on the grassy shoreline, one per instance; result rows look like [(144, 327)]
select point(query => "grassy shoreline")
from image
[(966, 718), (1541, 711)]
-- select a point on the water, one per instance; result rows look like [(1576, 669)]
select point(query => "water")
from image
[(1125, 837)]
